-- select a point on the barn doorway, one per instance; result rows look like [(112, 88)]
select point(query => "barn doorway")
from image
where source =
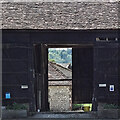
[(60, 79), (82, 76)]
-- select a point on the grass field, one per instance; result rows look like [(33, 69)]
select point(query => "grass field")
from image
[(75, 106)]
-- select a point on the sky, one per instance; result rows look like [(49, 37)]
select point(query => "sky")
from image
[(59, 48)]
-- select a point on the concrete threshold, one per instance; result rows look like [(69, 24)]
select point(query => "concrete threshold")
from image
[(59, 119), (66, 115)]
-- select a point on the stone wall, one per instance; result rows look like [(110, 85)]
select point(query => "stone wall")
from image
[(60, 98), (60, 15)]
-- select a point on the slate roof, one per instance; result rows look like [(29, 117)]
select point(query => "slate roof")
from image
[(65, 65), (60, 15), (58, 73), (60, 0)]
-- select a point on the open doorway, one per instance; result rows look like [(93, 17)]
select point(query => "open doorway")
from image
[(60, 79), (61, 89)]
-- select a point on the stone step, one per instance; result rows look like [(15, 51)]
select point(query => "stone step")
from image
[(58, 119), (64, 115)]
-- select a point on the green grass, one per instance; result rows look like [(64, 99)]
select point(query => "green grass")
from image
[(111, 106), (77, 106), (16, 106)]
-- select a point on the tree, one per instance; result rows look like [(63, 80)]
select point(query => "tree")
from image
[(60, 56)]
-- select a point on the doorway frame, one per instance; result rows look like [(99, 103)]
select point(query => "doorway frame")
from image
[(46, 46)]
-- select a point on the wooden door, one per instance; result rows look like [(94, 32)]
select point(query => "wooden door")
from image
[(41, 70), (82, 75)]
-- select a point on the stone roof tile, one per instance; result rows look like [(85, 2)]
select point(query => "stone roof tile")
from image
[(60, 15)]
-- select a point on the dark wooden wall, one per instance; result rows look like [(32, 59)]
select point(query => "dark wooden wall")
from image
[(15, 66), (82, 75), (119, 73), (18, 60), (106, 71)]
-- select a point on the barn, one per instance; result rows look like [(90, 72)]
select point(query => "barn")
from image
[(91, 29)]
